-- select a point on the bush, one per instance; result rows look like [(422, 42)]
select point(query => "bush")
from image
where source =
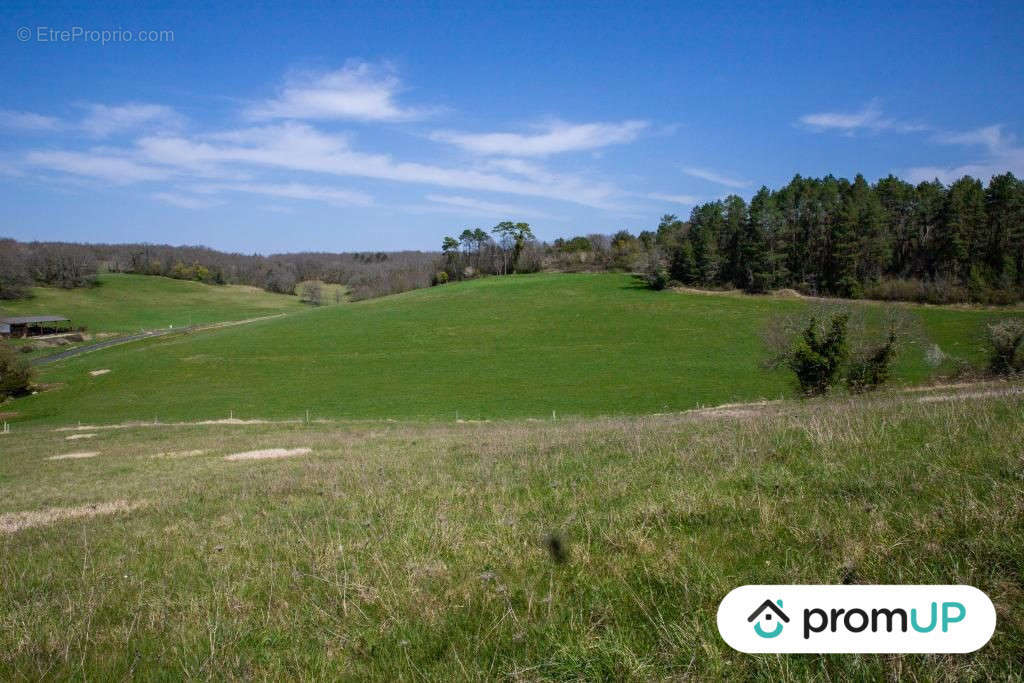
[(1005, 338), (818, 353), (657, 279), (920, 291), (15, 373), (440, 278), (869, 371), (312, 292)]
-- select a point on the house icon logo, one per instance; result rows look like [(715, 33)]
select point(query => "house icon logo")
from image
[(764, 615)]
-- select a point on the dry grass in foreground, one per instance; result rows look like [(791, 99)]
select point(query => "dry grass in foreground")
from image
[(528, 550)]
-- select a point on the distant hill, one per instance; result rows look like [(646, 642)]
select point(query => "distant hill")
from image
[(129, 303), (519, 346)]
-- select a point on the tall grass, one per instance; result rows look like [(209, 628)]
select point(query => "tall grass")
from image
[(402, 551)]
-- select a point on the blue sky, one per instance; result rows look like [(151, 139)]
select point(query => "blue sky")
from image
[(367, 126)]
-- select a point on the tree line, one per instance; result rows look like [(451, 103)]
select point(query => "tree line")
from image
[(831, 236), (821, 236), (70, 265), (507, 248)]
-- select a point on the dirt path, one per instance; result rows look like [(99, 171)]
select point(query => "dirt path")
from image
[(145, 335)]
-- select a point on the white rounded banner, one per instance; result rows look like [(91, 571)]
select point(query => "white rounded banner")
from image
[(820, 619)]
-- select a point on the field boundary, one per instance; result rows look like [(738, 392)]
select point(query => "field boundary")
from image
[(984, 389)]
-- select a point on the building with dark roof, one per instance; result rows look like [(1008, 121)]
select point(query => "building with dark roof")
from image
[(25, 326)]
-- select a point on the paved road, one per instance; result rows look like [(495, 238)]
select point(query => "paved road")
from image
[(104, 344), (78, 350)]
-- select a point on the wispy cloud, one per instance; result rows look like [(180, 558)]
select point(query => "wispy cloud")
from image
[(869, 118), (715, 177), (299, 147), (330, 195), (102, 120), (457, 203), (992, 137), (1002, 153), (685, 199), (552, 138), (26, 120), (358, 91), (185, 201), (107, 166)]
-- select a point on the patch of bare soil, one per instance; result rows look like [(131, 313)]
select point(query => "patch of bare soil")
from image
[(76, 437), (12, 522), (694, 290), (268, 453), (734, 410), (74, 456), (178, 454), (133, 425), (1010, 391), (939, 387)]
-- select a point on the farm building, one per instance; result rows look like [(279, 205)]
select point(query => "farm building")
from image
[(27, 326)]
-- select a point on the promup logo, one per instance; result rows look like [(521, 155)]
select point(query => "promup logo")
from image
[(856, 619), (766, 612)]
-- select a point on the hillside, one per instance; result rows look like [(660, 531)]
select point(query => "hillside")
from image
[(495, 348), (424, 552), (129, 303)]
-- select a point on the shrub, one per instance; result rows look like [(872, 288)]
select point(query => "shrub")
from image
[(657, 279), (312, 292), (920, 291), (15, 373), (1005, 338), (818, 353), (440, 278), (869, 371)]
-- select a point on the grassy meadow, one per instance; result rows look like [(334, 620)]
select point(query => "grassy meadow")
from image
[(526, 550), (130, 303), (496, 348)]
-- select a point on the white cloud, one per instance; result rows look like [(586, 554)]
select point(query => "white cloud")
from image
[(299, 147), (989, 136), (686, 199), (1003, 154), (102, 120), (329, 195), (26, 120), (714, 177), (97, 164), (185, 201), (868, 118), (359, 91), (460, 204), (554, 138)]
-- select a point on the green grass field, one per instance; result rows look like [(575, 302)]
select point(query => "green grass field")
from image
[(416, 551), (130, 303), (497, 348)]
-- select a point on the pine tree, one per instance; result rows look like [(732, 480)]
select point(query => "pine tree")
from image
[(929, 214), (706, 222), (961, 232), (758, 263), (1004, 205), (731, 242), (899, 201)]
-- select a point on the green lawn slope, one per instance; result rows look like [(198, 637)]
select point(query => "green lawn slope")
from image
[(129, 303), (523, 346)]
